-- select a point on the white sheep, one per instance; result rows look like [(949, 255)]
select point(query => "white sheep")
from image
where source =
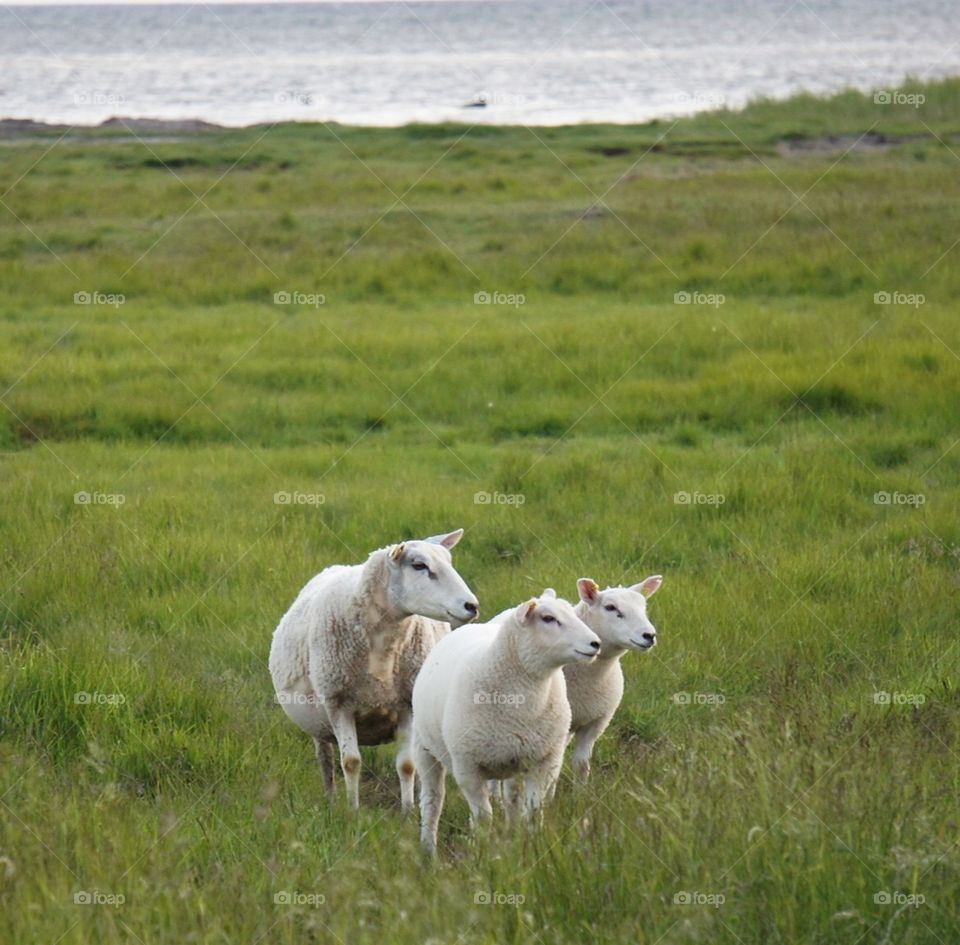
[(490, 703), (618, 616), (345, 655)]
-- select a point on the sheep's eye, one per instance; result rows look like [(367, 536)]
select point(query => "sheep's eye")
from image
[(610, 607), (419, 566), (548, 619)]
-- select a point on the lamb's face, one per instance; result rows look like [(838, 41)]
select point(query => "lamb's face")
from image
[(423, 581), (618, 615), (554, 635)]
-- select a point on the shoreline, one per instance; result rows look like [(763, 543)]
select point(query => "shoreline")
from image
[(155, 130), (14, 127)]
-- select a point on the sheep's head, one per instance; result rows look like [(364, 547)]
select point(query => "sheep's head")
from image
[(618, 615), (423, 580), (551, 634)]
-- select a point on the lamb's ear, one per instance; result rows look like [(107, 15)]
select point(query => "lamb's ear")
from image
[(396, 552), (525, 611), (549, 592), (589, 590), (448, 540), (649, 586)]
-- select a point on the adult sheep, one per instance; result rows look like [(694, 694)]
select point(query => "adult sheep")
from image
[(491, 703), (346, 653)]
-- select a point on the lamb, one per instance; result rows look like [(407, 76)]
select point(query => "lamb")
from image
[(618, 616), (345, 655), (491, 703)]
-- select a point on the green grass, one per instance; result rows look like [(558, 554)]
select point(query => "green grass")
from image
[(754, 757)]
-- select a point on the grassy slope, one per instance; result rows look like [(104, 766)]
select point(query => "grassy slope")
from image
[(798, 799)]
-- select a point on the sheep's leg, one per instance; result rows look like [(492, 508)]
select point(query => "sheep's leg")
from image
[(496, 790), (432, 790), (540, 784), (326, 758), (405, 765), (552, 789), (585, 739), (344, 727), (534, 791), (511, 799), (477, 792)]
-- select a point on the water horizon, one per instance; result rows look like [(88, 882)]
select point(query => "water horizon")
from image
[(526, 62)]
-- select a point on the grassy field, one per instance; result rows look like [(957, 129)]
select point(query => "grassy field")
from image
[(724, 349)]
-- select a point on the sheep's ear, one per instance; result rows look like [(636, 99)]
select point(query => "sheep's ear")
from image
[(525, 611), (589, 590), (649, 586), (448, 540), (549, 592), (396, 552)]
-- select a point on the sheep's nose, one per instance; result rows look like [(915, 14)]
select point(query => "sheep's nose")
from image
[(471, 608), (649, 637), (594, 644)]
